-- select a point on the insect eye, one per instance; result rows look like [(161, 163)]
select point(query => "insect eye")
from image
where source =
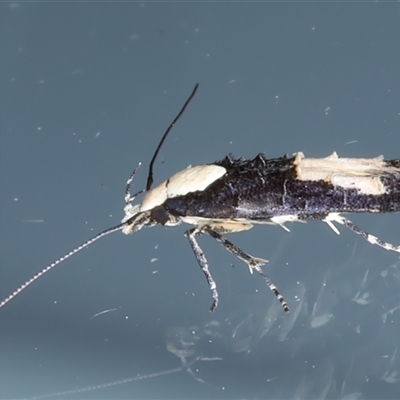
[(159, 214)]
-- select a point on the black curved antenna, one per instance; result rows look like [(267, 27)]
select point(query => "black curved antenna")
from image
[(150, 176)]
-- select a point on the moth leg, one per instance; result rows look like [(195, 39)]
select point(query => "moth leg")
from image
[(128, 197), (130, 209), (201, 259), (367, 236), (252, 262)]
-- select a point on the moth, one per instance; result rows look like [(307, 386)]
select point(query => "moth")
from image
[(233, 194)]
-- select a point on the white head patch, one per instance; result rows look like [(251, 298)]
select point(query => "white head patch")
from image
[(186, 181)]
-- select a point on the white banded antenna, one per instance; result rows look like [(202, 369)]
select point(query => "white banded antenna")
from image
[(60, 260)]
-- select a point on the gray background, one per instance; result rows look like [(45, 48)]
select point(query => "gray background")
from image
[(87, 89)]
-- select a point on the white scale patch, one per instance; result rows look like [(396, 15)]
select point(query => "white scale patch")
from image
[(350, 173), (189, 180)]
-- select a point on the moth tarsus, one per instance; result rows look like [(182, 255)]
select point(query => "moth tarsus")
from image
[(232, 195)]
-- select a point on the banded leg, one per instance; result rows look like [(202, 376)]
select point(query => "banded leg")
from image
[(201, 259), (252, 262), (367, 236), (128, 197)]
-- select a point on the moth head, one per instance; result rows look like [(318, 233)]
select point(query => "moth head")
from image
[(135, 219), (151, 211)]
